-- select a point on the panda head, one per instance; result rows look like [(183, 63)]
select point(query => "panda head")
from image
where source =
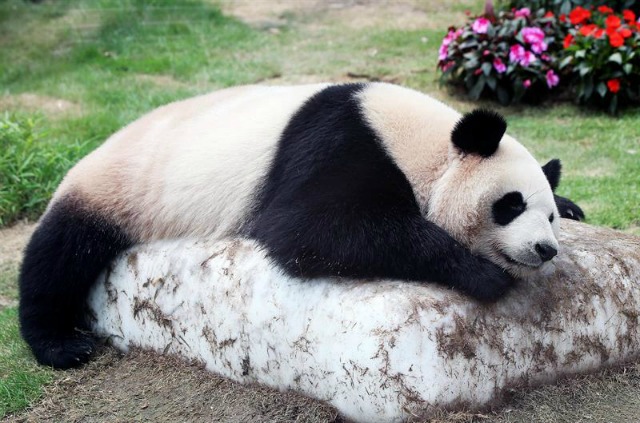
[(495, 198)]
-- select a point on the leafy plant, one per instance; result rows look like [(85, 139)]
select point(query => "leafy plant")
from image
[(510, 57), (601, 57), (565, 6), (30, 167)]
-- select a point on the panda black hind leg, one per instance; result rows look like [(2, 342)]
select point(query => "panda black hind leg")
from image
[(64, 257)]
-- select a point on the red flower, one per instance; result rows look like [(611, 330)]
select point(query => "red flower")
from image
[(605, 9), (579, 15), (599, 33), (628, 15), (563, 18), (613, 85), (568, 40), (612, 21), (616, 40), (625, 32), (549, 14), (587, 30)]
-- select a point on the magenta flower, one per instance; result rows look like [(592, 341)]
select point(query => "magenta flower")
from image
[(443, 52), (526, 83), (499, 66), (535, 37), (480, 25), (446, 66), (518, 54), (523, 13), (552, 79)]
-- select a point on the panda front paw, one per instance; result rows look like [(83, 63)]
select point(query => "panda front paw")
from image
[(486, 281)]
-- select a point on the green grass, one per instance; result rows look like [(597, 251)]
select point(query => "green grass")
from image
[(21, 379), (113, 60), (30, 167)]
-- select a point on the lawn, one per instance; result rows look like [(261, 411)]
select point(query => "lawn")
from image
[(74, 71)]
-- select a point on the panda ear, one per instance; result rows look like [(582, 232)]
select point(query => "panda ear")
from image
[(479, 132), (552, 171)]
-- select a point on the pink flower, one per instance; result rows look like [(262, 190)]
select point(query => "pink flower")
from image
[(523, 13), (518, 54), (446, 66), (552, 79), (480, 25), (535, 37), (443, 52), (545, 57), (526, 83), (499, 65), (486, 53)]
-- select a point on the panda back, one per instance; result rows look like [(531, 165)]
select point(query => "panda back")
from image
[(190, 167)]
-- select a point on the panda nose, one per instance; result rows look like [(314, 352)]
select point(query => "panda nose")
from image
[(546, 251)]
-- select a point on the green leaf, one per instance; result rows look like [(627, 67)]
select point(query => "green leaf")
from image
[(627, 68), (503, 96), (616, 57), (486, 68), (476, 91), (588, 88), (602, 89), (565, 61), (492, 82), (584, 69), (613, 104), (581, 54)]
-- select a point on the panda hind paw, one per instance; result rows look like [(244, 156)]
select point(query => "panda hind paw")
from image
[(66, 353)]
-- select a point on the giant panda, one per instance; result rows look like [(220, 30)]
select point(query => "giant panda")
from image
[(362, 180)]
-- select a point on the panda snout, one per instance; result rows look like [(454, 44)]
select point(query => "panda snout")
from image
[(545, 251)]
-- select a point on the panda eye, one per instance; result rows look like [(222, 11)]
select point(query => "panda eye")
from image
[(551, 217), (507, 208)]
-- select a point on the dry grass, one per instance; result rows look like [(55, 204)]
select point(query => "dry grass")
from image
[(142, 386)]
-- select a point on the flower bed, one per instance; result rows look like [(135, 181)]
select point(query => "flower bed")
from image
[(527, 56)]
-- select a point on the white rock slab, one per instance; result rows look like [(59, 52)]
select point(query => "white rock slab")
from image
[(377, 350)]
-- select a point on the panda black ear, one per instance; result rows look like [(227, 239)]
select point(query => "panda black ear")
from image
[(479, 132), (552, 171)]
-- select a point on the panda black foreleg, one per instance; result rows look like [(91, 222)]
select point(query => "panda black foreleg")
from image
[(383, 244), (64, 257), (567, 208)]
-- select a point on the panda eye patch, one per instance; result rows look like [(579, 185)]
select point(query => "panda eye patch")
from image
[(507, 208), (551, 217)]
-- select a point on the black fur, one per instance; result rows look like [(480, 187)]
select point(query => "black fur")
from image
[(479, 132), (66, 254), (552, 171), (335, 204), (567, 208), (510, 206)]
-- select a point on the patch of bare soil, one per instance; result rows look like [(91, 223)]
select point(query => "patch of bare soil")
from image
[(142, 386), (12, 243), (406, 14), (161, 80), (49, 106)]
